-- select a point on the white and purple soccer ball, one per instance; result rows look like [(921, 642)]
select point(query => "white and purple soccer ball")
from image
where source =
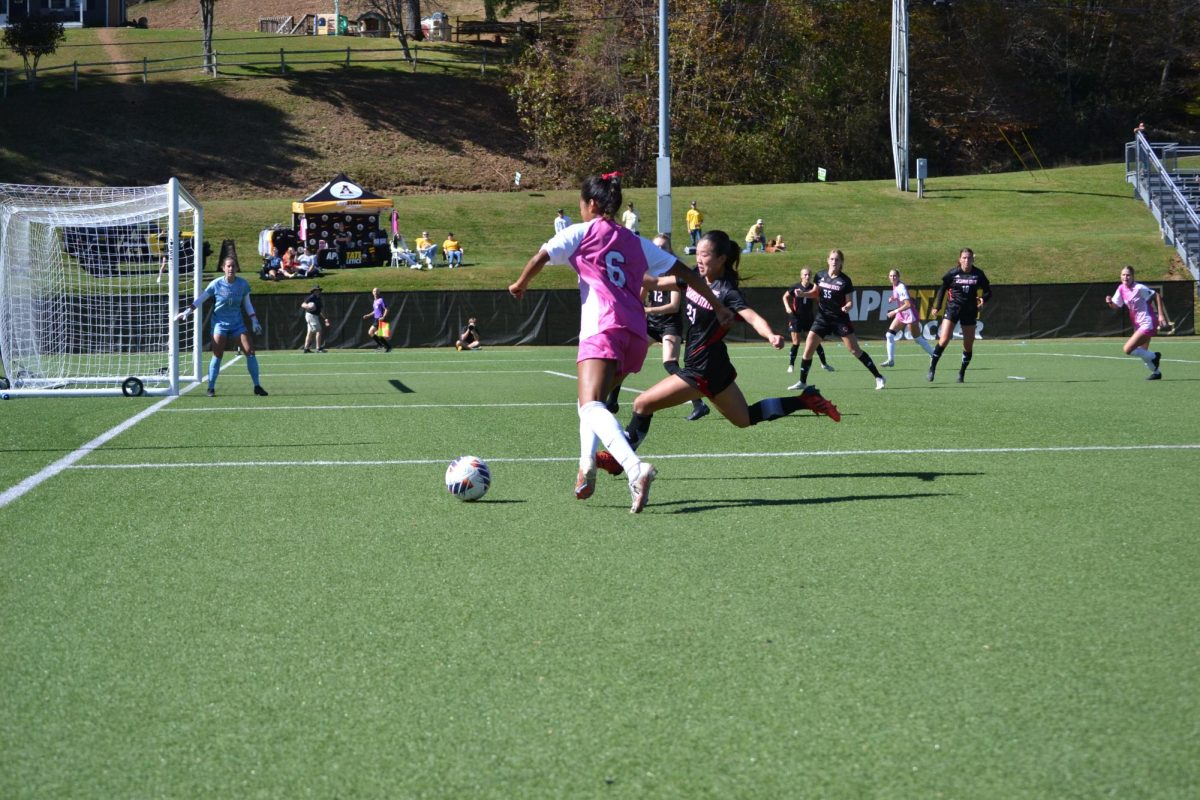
[(468, 478)]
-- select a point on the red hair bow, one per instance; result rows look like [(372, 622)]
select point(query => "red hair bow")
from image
[(610, 175)]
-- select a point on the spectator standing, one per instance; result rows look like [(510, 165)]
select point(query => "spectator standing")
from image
[(314, 316), (453, 251), (695, 223), (756, 236), (632, 221), (561, 221)]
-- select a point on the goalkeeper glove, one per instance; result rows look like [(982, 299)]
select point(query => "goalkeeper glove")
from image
[(257, 327)]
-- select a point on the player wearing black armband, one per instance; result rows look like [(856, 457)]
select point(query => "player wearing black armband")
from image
[(966, 289), (835, 297)]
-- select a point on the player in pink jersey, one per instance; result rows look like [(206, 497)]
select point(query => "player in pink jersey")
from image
[(1135, 298), (611, 262), (904, 317)]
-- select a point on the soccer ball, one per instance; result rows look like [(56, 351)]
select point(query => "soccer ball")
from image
[(468, 478)]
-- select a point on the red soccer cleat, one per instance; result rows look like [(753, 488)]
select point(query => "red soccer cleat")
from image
[(811, 399), (585, 484), (606, 462)]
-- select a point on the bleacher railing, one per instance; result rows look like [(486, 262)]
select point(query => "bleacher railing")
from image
[(1166, 177)]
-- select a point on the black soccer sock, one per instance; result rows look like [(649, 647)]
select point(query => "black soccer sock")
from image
[(792, 355), (869, 363), (773, 408), (698, 403), (805, 366), (671, 367), (937, 355), (821, 355), (639, 426), (966, 359)]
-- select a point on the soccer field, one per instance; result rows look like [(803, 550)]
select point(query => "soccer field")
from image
[(975, 590)]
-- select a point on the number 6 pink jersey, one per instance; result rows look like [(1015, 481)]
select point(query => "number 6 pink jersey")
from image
[(611, 262)]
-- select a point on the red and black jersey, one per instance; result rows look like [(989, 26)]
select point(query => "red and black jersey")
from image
[(705, 336), (803, 309), (961, 287), (660, 297), (832, 294)]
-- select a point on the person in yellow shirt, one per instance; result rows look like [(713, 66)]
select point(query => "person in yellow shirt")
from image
[(695, 223), (453, 251), (426, 249)]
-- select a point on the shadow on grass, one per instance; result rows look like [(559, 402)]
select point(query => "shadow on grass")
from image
[(921, 476), (689, 506), (938, 194)]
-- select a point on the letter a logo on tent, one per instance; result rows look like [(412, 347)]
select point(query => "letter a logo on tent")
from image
[(344, 190)]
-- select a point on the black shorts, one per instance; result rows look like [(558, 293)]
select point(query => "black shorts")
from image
[(832, 326), (658, 327), (798, 325), (962, 315), (712, 380)]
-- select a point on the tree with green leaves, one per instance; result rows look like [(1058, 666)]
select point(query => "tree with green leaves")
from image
[(31, 38)]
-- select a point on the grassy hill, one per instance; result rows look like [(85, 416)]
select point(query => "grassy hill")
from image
[(445, 142), (1064, 225)]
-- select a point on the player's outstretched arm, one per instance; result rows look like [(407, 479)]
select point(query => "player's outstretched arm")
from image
[(761, 327), (532, 268)]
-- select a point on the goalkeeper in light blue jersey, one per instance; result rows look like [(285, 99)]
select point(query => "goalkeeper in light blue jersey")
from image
[(232, 295)]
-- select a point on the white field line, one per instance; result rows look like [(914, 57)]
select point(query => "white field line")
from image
[(403, 372), (66, 462), (661, 456), (362, 407)]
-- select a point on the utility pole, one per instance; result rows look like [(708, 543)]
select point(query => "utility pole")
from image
[(664, 125)]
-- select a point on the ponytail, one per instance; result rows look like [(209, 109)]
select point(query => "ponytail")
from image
[(605, 190)]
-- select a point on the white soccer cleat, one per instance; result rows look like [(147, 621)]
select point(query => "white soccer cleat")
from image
[(789, 369), (888, 363), (797, 386), (639, 488), (880, 383), (828, 368)]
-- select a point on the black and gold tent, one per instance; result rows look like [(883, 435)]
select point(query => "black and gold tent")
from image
[(342, 208)]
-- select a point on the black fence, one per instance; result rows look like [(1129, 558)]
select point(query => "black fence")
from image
[(434, 319)]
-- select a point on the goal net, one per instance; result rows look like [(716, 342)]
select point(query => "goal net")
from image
[(90, 281)]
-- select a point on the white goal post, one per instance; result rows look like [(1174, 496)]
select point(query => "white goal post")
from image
[(91, 279)]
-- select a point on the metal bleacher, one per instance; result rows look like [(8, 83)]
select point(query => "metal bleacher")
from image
[(1166, 177)]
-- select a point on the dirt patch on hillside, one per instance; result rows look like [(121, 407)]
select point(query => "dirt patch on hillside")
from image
[(395, 133)]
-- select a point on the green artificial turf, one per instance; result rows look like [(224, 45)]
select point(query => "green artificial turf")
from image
[(976, 590)]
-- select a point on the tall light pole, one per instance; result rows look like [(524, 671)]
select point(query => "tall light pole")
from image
[(664, 125), (899, 92)]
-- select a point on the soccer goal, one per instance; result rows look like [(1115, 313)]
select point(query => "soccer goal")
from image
[(90, 281)]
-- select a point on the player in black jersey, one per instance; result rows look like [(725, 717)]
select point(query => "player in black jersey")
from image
[(967, 290), (835, 297), (707, 369), (800, 309), (664, 324)]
